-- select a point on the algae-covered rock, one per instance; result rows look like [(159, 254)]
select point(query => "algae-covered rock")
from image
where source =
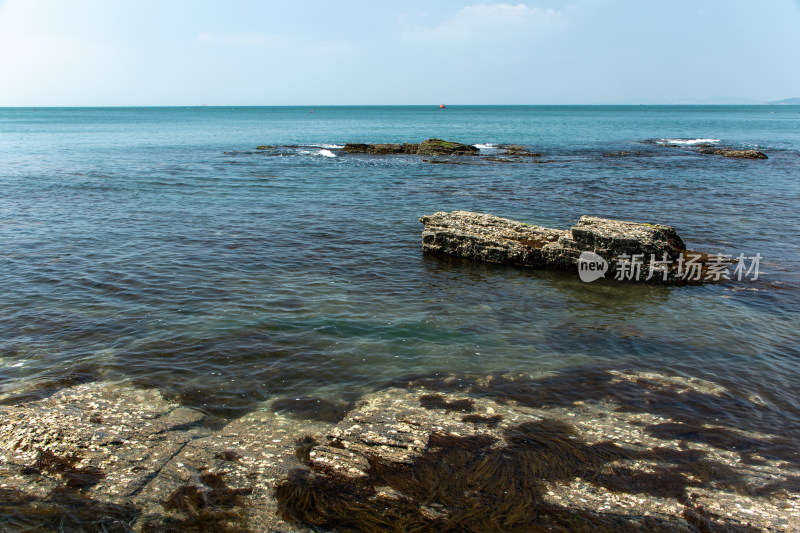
[(428, 147), (517, 453), (519, 151), (105, 457), (381, 149), (440, 147), (739, 154)]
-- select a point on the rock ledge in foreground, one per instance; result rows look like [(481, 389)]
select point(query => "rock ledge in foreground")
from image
[(480, 459)]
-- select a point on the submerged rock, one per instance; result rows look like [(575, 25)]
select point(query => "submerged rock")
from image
[(614, 451), (636, 250), (520, 151), (490, 458), (104, 457), (740, 154), (707, 146), (623, 153)]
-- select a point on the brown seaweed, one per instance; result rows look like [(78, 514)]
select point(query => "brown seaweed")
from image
[(491, 420), (634, 395), (661, 482), (480, 484), (76, 478), (65, 510), (437, 401), (303, 447), (228, 455), (208, 506)]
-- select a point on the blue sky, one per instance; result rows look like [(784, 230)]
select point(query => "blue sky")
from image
[(143, 52)]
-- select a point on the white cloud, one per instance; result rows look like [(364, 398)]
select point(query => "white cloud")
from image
[(491, 21)]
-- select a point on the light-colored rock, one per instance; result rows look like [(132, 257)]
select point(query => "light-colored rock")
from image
[(494, 239), (145, 450)]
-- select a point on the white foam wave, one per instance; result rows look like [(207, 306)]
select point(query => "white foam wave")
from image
[(330, 146), (326, 153), (688, 142), (485, 146)]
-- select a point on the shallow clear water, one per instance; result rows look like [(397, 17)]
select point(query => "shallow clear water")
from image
[(157, 245)]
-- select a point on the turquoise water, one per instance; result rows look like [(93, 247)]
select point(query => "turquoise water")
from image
[(156, 245)]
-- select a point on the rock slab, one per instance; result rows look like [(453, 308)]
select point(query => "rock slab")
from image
[(474, 459), (493, 239), (108, 457)]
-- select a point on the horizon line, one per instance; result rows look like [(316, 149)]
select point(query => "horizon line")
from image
[(775, 103)]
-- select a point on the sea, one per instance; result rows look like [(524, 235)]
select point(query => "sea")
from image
[(160, 247)]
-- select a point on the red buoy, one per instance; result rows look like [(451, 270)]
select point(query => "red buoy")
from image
[(442, 106)]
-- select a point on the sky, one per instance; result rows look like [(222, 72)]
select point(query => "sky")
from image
[(348, 52)]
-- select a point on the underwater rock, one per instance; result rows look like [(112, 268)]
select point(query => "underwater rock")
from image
[(104, 457), (519, 151), (425, 453), (407, 460), (740, 154), (628, 247), (623, 153)]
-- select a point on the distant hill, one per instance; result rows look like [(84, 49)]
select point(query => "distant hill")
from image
[(788, 101)]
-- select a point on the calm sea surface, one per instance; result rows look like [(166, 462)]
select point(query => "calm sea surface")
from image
[(156, 245)]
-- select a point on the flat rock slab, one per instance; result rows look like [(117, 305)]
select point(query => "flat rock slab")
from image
[(493, 239), (610, 449), (108, 457)]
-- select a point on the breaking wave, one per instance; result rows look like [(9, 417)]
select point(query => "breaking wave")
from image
[(687, 142)]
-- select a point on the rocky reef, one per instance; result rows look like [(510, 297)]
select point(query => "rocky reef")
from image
[(519, 151), (513, 453), (707, 147), (439, 151), (739, 154), (381, 149), (585, 448), (639, 251), (428, 147), (104, 457)]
